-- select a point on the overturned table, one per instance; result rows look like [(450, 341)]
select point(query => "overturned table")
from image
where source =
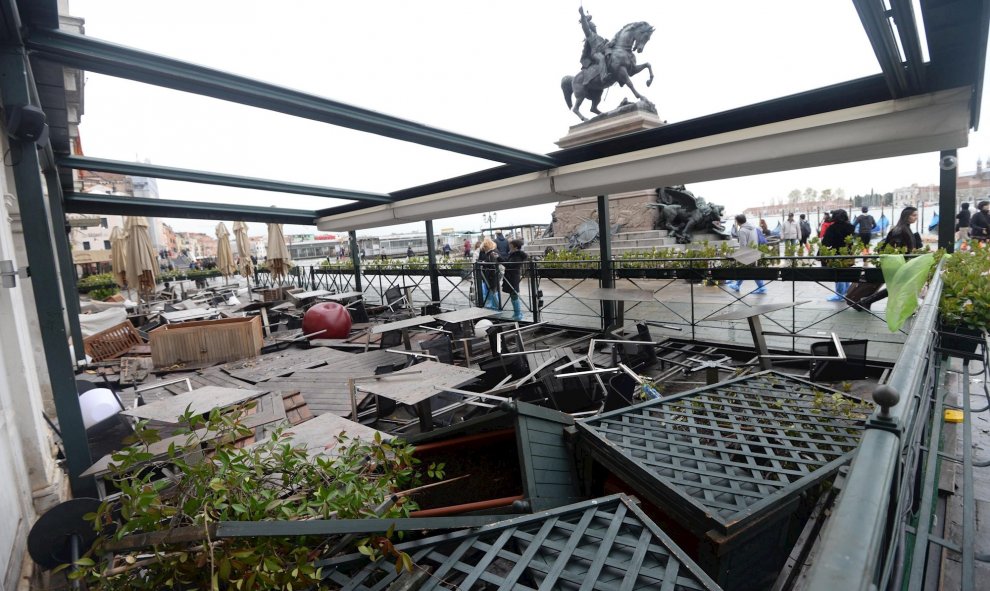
[(620, 296), (415, 385), (403, 325), (752, 314)]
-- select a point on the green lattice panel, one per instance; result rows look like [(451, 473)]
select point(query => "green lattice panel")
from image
[(725, 454), (604, 544)]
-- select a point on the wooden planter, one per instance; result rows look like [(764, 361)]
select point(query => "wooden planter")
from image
[(207, 341), (517, 459), (112, 342)]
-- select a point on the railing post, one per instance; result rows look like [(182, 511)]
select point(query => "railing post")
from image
[(605, 252), (534, 290), (948, 169), (431, 254), (355, 260)]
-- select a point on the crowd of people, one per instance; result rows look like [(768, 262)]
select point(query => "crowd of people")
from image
[(835, 230)]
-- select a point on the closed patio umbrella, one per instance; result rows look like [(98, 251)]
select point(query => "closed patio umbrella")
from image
[(225, 259), (118, 256), (278, 253), (142, 263), (243, 249)]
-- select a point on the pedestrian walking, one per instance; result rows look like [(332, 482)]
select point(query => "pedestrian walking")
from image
[(748, 236), (805, 227), (962, 223), (513, 275), (489, 260), (835, 238), (790, 232), (864, 225)]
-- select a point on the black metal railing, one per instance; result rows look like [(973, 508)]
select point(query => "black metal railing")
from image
[(863, 544), (460, 284)]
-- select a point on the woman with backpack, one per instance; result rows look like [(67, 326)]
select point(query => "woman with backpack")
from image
[(488, 259), (900, 236)]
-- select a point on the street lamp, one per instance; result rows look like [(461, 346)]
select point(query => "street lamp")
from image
[(489, 218)]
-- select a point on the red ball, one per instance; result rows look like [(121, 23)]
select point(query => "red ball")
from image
[(330, 317)]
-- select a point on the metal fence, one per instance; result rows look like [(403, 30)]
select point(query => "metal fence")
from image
[(865, 544), (552, 291)]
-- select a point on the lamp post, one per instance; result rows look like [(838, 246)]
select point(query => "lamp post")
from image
[(489, 218)]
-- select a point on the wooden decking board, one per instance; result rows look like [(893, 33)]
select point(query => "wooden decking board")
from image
[(199, 401), (325, 388), (281, 363)]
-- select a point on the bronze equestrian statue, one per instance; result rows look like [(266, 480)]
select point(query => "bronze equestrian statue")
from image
[(604, 63)]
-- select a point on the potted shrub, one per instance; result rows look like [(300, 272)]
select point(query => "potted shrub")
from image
[(964, 308)]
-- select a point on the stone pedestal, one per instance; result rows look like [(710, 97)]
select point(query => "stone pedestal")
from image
[(628, 209)]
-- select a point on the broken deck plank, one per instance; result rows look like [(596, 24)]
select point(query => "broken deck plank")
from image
[(281, 363), (325, 389), (199, 401), (420, 382)]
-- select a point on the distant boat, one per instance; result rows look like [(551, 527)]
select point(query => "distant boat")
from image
[(882, 225), (934, 223)]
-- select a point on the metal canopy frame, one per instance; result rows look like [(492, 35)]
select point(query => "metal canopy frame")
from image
[(957, 38), (606, 543)]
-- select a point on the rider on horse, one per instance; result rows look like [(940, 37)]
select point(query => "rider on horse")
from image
[(593, 56)]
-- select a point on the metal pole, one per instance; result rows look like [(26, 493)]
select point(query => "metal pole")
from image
[(355, 259), (68, 270), (42, 262), (431, 254), (534, 290), (605, 252), (947, 201)]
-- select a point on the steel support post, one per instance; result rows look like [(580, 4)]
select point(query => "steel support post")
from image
[(355, 260), (605, 269), (431, 253), (42, 262), (534, 290), (68, 269), (947, 200)]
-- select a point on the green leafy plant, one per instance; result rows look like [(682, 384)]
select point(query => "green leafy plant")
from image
[(161, 526), (102, 293), (965, 300)]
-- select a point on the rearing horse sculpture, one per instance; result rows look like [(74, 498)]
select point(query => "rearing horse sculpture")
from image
[(619, 65)]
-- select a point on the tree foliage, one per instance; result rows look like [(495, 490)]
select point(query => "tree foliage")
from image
[(213, 477)]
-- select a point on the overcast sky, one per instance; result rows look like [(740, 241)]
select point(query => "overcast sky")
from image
[(486, 69)]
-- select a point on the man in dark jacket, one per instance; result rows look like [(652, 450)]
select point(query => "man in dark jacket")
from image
[(864, 225), (501, 245), (513, 274), (979, 224), (962, 223), (835, 238), (805, 233)]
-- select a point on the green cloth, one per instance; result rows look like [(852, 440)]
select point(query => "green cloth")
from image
[(904, 282)]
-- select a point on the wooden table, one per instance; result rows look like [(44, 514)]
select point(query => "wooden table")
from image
[(466, 315), (307, 295), (185, 315), (619, 296), (415, 385), (199, 401), (403, 325), (319, 435), (752, 315), (339, 297)]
